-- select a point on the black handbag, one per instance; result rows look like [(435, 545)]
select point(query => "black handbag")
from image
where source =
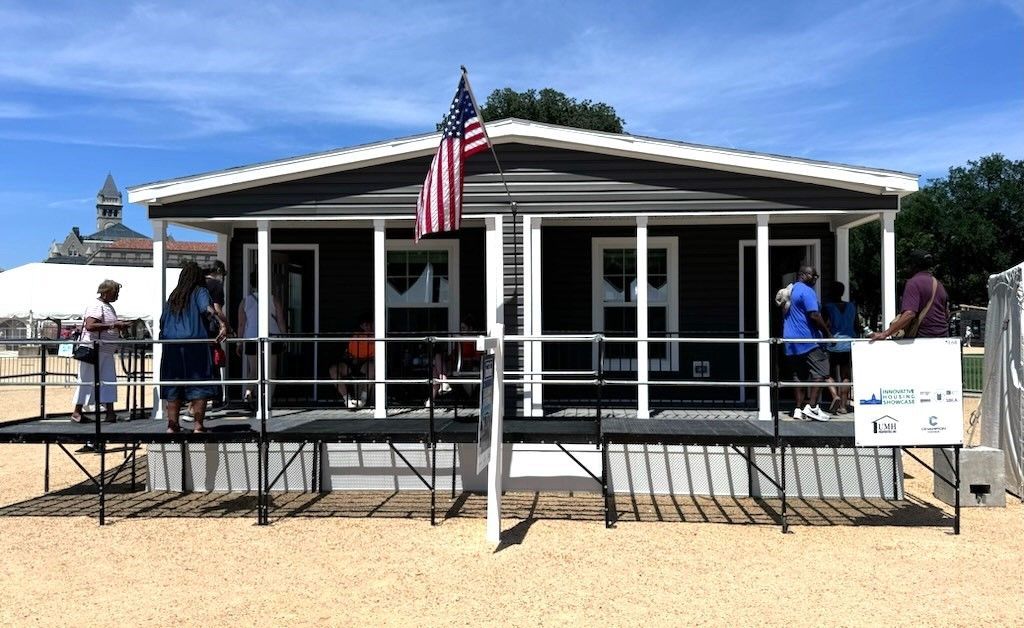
[(84, 353)]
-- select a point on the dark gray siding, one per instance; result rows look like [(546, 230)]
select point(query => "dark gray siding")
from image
[(708, 303), (346, 271), (542, 180)]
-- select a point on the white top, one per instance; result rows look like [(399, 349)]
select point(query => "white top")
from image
[(105, 314), (252, 311)]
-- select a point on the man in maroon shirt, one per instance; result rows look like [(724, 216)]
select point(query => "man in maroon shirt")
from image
[(928, 321)]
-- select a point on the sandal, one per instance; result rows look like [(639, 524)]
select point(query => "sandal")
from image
[(173, 429)]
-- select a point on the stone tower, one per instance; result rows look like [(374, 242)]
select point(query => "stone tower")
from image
[(108, 205)]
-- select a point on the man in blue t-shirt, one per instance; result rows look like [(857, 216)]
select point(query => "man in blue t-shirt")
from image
[(806, 361)]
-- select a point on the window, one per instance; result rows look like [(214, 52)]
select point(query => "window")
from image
[(422, 288), (615, 296)]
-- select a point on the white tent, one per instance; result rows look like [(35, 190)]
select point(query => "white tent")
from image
[(62, 291), (1002, 425)]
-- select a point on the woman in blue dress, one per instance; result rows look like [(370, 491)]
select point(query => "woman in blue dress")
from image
[(183, 318)]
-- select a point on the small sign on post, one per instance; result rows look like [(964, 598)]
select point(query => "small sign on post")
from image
[(483, 433), (908, 393)]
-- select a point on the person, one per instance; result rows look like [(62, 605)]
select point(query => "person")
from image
[(99, 323), (841, 317), (806, 361), (248, 323), (357, 360), (215, 275), (924, 307), (182, 318), (968, 334)]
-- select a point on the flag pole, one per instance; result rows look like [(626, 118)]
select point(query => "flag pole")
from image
[(512, 203)]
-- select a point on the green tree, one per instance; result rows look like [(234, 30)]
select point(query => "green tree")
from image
[(972, 221), (551, 106)]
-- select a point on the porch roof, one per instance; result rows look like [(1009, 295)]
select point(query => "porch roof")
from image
[(857, 178)]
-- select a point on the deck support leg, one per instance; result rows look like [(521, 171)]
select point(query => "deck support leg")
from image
[(260, 472), (604, 484), (785, 522), (265, 457), (135, 452), (184, 464), (102, 480), (313, 470), (433, 483), (956, 480), (46, 470), (895, 473), (455, 450)]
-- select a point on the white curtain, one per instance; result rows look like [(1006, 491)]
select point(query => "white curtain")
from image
[(1002, 426)]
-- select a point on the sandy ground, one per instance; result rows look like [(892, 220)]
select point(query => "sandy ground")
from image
[(373, 558)]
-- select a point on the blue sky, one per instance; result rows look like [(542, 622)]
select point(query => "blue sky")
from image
[(150, 91)]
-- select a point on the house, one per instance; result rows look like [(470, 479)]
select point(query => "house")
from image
[(115, 244), (79, 249), (712, 232)]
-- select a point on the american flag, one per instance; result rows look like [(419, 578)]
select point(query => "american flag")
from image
[(439, 206)]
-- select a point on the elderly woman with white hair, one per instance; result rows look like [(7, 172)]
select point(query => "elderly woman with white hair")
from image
[(99, 322)]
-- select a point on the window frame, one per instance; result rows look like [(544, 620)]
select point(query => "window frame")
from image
[(671, 246), (449, 246)]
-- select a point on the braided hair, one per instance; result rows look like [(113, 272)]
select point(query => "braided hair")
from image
[(191, 277)]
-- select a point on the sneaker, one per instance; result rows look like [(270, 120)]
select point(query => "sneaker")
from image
[(426, 404), (798, 414), (816, 413), (351, 404), (445, 387)]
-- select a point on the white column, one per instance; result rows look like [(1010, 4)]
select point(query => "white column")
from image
[(159, 297), (495, 265), (888, 267), (535, 303), (380, 278), (527, 315), (264, 303), (643, 364), (843, 257), (496, 464), (764, 300)]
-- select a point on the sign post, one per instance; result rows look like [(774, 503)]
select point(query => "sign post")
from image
[(492, 411), (908, 393)]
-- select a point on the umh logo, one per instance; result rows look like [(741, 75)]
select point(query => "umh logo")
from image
[(884, 424)]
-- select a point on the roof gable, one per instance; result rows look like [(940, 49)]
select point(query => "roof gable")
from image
[(857, 178)]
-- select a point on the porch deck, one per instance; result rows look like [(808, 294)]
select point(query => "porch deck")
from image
[(412, 425)]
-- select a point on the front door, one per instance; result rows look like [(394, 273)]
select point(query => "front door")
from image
[(784, 260), (293, 283)]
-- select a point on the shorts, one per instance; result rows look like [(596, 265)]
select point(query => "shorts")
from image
[(840, 359), (811, 365)]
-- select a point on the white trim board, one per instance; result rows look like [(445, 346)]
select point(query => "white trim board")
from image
[(451, 247), (856, 178), (671, 245)]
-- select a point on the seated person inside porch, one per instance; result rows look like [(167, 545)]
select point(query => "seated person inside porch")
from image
[(460, 361), (356, 363)]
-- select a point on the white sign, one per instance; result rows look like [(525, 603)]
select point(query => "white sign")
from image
[(483, 433), (908, 393)]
